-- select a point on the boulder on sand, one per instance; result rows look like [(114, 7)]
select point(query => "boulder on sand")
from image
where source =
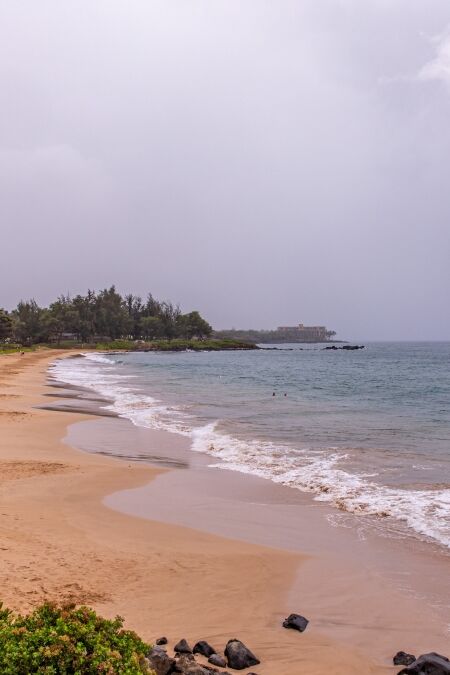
[(182, 647), (193, 668), (160, 662), (296, 622), (161, 641), (428, 664), (203, 648), (185, 663), (403, 659), (217, 660), (239, 656)]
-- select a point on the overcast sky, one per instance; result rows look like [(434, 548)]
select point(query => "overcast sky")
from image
[(265, 162)]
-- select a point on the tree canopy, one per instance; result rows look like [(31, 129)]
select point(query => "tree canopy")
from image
[(104, 315)]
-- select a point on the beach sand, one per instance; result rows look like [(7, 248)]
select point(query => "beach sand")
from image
[(58, 541)]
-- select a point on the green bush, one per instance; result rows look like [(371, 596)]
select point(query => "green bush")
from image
[(116, 344), (175, 345), (56, 640)]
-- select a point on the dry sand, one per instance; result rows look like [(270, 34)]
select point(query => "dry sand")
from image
[(59, 542)]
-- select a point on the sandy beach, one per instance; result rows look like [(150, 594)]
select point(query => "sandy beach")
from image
[(59, 541)]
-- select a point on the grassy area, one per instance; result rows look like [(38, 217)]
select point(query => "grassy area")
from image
[(13, 349)]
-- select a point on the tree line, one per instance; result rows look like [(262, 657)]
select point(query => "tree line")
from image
[(105, 315), (267, 336)]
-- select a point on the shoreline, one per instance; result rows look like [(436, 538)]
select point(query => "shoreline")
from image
[(389, 576), (343, 565), (59, 542)]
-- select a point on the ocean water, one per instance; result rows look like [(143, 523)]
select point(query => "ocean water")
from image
[(366, 431)]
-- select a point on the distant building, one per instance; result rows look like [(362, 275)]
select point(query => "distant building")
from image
[(306, 333)]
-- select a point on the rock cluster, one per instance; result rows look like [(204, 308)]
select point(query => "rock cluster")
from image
[(236, 656), (239, 657), (348, 348)]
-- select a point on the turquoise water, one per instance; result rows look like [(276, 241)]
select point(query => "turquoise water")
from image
[(367, 431)]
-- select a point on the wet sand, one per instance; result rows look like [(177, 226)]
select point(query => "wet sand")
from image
[(59, 541), (357, 586)]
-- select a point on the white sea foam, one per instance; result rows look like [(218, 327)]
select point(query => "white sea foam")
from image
[(98, 372), (98, 358), (425, 512)]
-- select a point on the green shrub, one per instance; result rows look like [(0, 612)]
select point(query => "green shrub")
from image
[(56, 640), (174, 345), (116, 344)]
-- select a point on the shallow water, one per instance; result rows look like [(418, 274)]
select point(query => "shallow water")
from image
[(366, 431)]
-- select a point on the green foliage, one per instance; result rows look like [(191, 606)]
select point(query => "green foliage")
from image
[(29, 322), (6, 325), (193, 325), (116, 344), (67, 640), (151, 327), (262, 336), (103, 316), (176, 345)]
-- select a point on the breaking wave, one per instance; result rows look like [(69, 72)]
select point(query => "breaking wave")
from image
[(318, 471)]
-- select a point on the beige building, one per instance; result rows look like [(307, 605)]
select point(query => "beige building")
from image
[(306, 333)]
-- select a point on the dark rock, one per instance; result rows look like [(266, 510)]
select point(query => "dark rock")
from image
[(160, 662), (296, 621), (204, 649), (403, 659), (348, 348), (239, 656), (217, 660), (186, 666), (161, 641), (183, 662), (158, 648), (182, 647), (184, 658), (428, 664), (196, 669)]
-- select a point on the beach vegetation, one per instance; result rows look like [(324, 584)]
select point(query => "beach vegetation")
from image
[(6, 325), (13, 348), (173, 345), (102, 316), (269, 336), (61, 640)]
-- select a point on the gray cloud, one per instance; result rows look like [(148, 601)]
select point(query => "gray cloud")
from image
[(262, 162)]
